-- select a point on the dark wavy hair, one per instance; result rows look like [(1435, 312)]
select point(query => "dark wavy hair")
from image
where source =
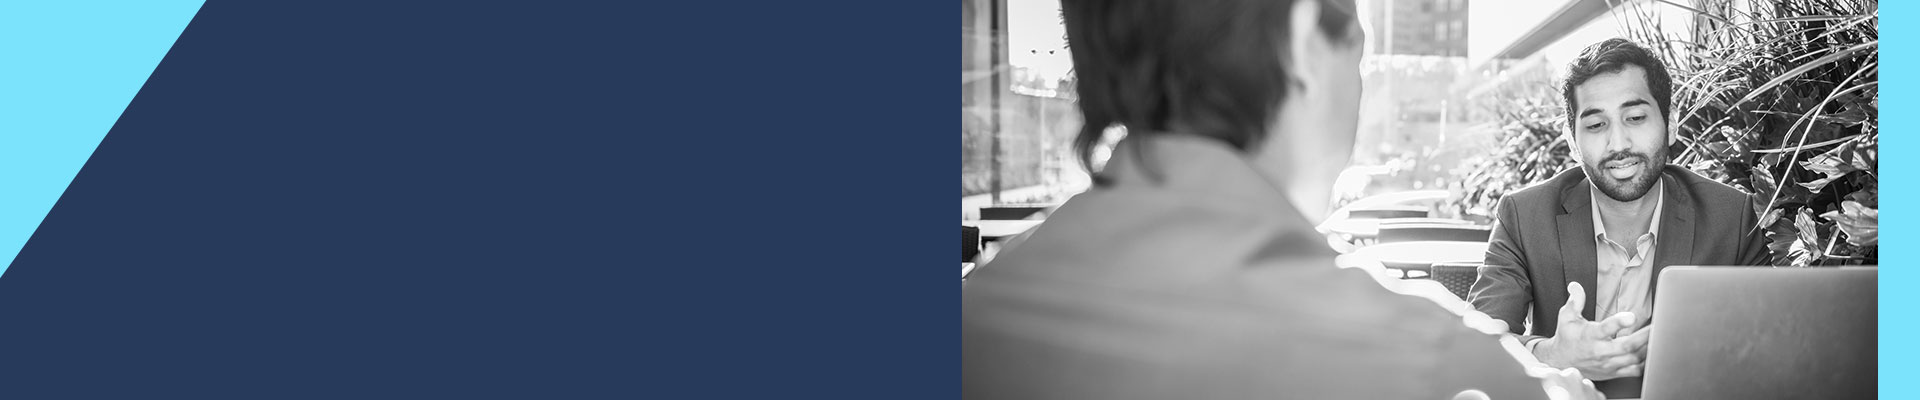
[(1208, 67), (1614, 55)]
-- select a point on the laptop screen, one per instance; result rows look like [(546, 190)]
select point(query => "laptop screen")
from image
[(1763, 333)]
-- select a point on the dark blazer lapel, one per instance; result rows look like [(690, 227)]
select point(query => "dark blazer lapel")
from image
[(1575, 225), (1676, 232)]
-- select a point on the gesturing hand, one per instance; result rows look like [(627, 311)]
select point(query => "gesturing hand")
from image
[(1612, 348)]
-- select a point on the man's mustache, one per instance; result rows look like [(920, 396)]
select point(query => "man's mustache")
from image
[(1624, 156)]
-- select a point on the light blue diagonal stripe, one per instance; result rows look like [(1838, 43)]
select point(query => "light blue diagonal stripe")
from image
[(67, 70)]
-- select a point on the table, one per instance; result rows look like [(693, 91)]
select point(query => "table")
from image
[(1421, 255), (1356, 227), (1370, 227), (1389, 211), (996, 229)]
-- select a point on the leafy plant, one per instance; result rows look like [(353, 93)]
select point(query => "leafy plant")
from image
[(1530, 148), (1780, 98)]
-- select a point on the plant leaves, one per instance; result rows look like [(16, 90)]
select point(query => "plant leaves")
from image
[(1809, 234), (1860, 223), (1805, 246), (1869, 197), (1767, 185), (1868, 154), (1871, 45), (1835, 164), (1785, 240), (1722, 150), (1855, 111)]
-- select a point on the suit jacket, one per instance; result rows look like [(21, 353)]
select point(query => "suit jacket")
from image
[(1543, 238), (1205, 284)]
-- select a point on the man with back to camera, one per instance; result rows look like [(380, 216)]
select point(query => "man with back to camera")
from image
[(1592, 240)]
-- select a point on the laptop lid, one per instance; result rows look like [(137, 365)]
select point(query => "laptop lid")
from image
[(1764, 333)]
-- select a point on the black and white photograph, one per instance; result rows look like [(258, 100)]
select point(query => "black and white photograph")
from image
[(1419, 199)]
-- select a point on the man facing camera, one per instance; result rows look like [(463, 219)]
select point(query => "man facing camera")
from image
[(1592, 240)]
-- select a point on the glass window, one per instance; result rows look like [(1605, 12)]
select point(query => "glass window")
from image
[(1018, 115)]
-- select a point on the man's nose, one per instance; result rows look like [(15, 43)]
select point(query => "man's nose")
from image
[(1617, 139)]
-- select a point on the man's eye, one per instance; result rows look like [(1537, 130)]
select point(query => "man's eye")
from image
[(1637, 118), (1595, 126)]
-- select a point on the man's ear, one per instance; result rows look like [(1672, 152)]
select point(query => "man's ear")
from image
[(1302, 24), (1673, 135)]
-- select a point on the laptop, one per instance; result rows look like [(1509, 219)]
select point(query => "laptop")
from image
[(1764, 333)]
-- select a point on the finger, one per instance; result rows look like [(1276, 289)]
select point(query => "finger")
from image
[(1614, 364), (1562, 384), (1576, 302), (1632, 370), (1618, 324), (1571, 376), (1636, 341)]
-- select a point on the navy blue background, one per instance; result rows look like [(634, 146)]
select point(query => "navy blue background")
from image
[(536, 200)]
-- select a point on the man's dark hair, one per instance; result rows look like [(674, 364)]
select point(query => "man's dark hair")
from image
[(1206, 67), (1614, 55)]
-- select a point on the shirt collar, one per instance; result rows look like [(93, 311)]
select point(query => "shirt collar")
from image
[(1660, 202)]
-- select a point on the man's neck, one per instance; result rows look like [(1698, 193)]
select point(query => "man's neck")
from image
[(1627, 220)]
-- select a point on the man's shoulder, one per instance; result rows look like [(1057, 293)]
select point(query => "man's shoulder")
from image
[(1704, 190), (1713, 203)]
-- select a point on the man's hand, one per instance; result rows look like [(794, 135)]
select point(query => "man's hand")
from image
[(1612, 348)]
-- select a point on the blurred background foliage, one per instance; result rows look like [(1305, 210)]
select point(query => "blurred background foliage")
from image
[(1777, 98), (1529, 148)]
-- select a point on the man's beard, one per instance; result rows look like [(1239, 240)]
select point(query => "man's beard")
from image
[(1635, 187)]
